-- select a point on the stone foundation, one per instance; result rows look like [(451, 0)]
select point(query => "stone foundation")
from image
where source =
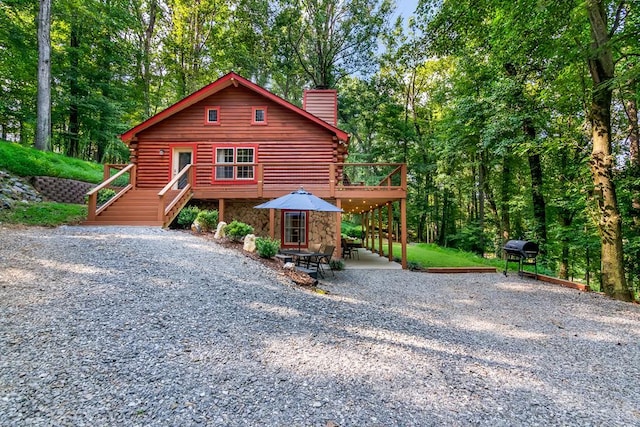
[(322, 225)]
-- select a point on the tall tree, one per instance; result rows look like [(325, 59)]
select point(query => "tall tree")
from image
[(335, 38), (43, 127), (602, 69)]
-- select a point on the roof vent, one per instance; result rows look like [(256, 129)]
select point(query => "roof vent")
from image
[(322, 103)]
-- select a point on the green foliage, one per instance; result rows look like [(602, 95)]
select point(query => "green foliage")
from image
[(333, 38), (47, 214), (267, 247), (470, 238), (336, 264), (413, 266), (208, 219), (351, 230), (236, 230), (105, 195), (187, 215)]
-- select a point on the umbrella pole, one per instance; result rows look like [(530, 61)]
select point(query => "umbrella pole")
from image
[(299, 231)]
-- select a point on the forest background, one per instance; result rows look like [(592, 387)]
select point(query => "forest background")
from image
[(518, 119)]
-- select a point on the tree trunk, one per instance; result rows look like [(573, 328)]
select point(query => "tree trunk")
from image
[(43, 125), (73, 145), (601, 67), (146, 62), (539, 206), (505, 221), (634, 150), (481, 186)]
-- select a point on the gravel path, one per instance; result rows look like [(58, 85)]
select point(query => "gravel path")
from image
[(146, 327)]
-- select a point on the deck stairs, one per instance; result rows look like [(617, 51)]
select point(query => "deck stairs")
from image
[(136, 207)]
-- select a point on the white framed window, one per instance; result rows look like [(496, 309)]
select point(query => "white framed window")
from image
[(212, 115), (294, 228), (233, 156), (259, 115)]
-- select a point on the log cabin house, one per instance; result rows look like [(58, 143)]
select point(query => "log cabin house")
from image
[(233, 145)]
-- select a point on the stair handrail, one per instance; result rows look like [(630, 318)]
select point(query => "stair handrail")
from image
[(162, 212), (92, 210)]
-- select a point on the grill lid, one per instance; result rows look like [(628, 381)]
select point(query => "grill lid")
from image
[(523, 248)]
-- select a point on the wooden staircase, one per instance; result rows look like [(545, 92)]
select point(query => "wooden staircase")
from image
[(135, 207)]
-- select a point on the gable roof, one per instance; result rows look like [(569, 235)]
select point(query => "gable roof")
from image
[(218, 85)]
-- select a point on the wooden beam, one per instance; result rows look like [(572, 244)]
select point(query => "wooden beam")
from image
[(272, 223), (380, 251), (339, 230), (390, 230), (220, 210), (403, 232), (367, 228)]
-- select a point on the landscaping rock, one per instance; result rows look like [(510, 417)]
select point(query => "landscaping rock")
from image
[(14, 189)]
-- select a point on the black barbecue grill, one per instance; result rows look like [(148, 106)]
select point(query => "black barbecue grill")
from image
[(523, 252)]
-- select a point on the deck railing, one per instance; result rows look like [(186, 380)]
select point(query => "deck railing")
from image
[(168, 209), (93, 209), (332, 176)]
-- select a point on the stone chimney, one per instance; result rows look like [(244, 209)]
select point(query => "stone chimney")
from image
[(322, 103)]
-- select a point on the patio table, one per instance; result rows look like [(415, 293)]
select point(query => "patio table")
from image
[(308, 258)]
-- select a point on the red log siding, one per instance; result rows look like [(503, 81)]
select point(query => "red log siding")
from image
[(288, 137), (322, 104)]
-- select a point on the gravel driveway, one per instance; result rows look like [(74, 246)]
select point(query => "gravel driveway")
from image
[(117, 326)]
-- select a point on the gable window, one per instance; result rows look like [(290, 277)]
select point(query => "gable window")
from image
[(295, 228), (259, 115), (212, 115), (235, 163)]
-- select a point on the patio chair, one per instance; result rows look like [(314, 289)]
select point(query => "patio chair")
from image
[(325, 258), (347, 251)]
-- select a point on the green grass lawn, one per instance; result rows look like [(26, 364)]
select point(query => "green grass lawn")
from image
[(429, 255), (46, 214), (24, 161)]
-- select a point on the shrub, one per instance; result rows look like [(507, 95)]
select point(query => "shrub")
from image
[(187, 215), (351, 230), (105, 195), (336, 264), (236, 230), (413, 266), (208, 219), (267, 247)]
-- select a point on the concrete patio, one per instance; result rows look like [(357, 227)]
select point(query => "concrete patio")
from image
[(367, 260)]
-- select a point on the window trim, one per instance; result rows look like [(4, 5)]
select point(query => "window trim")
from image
[(283, 215), (253, 116), (235, 180), (206, 115)]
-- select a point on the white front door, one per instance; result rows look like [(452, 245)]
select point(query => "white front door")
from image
[(182, 156)]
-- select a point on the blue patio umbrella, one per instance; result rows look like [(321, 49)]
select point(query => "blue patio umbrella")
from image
[(299, 200)]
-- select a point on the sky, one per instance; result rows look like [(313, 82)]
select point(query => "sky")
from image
[(406, 8)]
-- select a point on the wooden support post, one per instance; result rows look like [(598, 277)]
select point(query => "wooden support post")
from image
[(403, 231), (339, 230), (390, 230), (260, 180), (133, 175), (91, 209), (366, 229), (106, 172), (272, 223), (380, 251), (332, 180), (220, 210), (160, 214)]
